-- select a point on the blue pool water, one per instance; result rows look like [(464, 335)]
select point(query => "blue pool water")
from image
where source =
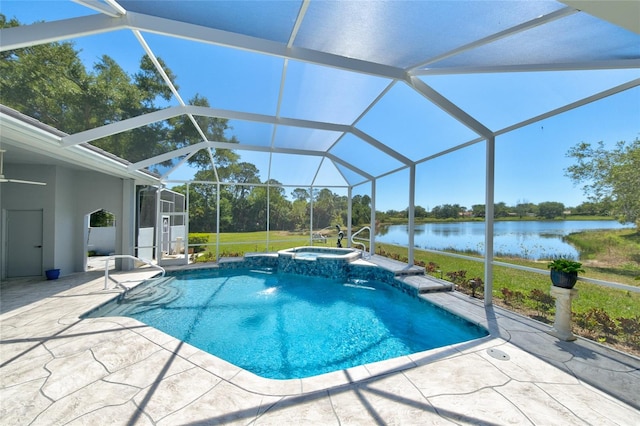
[(284, 326)]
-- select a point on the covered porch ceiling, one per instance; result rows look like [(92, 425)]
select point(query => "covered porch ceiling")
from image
[(355, 90)]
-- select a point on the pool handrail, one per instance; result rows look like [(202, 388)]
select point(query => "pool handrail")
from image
[(356, 243), (127, 256)]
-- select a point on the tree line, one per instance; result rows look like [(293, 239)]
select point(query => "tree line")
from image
[(544, 210), (243, 207)]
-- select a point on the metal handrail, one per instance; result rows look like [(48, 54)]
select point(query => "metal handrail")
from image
[(126, 256), (354, 242)]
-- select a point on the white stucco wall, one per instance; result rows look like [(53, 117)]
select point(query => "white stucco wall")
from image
[(145, 243), (66, 230), (102, 240), (68, 196), (99, 192), (31, 197)]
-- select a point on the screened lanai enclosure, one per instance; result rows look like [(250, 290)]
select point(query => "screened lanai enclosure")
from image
[(276, 121)]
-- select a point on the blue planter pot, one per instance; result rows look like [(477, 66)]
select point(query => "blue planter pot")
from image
[(564, 279), (52, 274)]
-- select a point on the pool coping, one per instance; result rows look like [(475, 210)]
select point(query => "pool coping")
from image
[(299, 386), (466, 307)]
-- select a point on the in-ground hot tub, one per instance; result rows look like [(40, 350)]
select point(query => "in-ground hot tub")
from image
[(317, 261)]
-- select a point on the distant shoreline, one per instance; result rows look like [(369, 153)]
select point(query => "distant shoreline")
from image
[(404, 221)]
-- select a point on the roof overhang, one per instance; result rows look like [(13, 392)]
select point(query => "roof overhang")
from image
[(28, 141)]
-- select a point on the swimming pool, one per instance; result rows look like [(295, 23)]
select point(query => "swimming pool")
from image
[(284, 326)]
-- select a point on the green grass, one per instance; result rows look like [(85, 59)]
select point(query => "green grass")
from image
[(239, 243), (617, 303), (610, 253)]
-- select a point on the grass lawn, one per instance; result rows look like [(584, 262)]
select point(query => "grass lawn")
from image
[(239, 243), (609, 253)]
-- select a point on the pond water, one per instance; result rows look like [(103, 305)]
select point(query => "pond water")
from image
[(527, 239)]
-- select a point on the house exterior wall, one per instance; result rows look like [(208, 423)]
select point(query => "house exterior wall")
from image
[(15, 196), (102, 239), (69, 195), (98, 192), (64, 220)]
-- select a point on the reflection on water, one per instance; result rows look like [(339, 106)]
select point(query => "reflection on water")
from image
[(528, 239)]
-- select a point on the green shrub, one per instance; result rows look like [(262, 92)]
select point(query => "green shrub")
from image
[(196, 238), (630, 329), (598, 324), (205, 257), (543, 301)]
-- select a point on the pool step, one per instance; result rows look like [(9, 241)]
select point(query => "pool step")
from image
[(411, 275), (155, 282), (427, 283), (399, 269)]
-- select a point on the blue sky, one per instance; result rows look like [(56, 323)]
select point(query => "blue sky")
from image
[(530, 161)]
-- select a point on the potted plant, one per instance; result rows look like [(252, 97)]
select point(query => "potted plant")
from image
[(564, 272), (52, 274)]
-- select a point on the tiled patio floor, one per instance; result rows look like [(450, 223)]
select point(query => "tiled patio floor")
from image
[(56, 369)]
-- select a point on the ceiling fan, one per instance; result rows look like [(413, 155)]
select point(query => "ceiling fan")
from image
[(3, 179)]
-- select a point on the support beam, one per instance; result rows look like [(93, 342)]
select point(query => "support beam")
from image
[(573, 105), (372, 240), (449, 107), (218, 221), (525, 26), (65, 29), (268, 213), (110, 9), (311, 215), (158, 227), (128, 222), (382, 147), (611, 64), (349, 214), (488, 219), (412, 213)]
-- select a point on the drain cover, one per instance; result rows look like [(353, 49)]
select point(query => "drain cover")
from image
[(498, 354)]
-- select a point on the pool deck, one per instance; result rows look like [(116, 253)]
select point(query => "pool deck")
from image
[(58, 369)]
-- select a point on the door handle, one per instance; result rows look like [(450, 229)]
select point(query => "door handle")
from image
[(38, 246)]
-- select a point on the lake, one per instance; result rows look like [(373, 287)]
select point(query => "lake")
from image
[(530, 239)]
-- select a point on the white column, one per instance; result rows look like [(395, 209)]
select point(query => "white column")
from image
[(412, 213), (562, 323), (268, 213), (311, 215), (372, 225), (349, 214), (488, 221), (158, 226), (186, 226), (128, 226), (218, 221)]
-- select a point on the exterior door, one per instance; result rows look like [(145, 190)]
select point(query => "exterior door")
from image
[(24, 243), (166, 234)]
